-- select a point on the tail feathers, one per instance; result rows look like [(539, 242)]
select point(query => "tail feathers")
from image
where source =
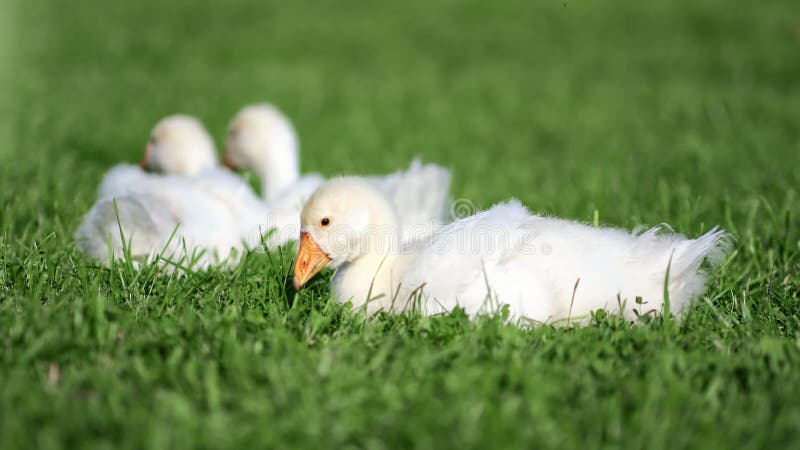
[(421, 194), (661, 250), (689, 255)]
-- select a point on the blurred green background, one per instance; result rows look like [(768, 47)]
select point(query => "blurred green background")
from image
[(569, 106), (675, 111)]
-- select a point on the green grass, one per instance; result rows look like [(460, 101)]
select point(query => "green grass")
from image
[(625, 112)]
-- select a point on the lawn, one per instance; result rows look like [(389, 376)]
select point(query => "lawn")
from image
[(628, 112)]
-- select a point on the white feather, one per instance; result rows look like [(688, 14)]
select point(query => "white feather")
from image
[(420, 195)]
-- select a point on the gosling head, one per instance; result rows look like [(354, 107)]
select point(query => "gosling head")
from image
[(343, 220), (179, 145), (262, 139)]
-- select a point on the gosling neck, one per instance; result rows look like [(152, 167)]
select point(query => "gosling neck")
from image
[(368, 279), (274, 181)]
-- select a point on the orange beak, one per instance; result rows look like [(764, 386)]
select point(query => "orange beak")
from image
[(310, 260), (143, 162), (227, 163)]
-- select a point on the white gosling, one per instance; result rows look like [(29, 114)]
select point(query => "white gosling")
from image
[(546, 270), (262, 139)]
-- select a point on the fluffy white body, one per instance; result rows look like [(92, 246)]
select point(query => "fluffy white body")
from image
[(262, 139), (180, 222), (178, 228), (545, 269), (232, 196)]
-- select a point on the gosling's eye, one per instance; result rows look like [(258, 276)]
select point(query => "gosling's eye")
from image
[(325, 221), (152, 140)]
